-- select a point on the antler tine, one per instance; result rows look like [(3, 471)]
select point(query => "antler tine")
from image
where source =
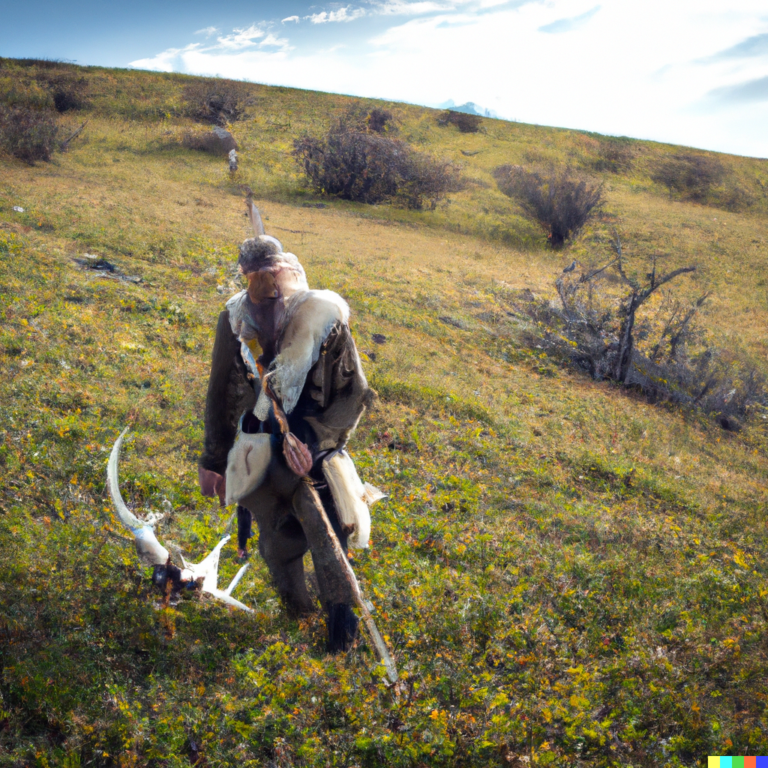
[(149, 549), (152, 552), (208, 571), (236, 580)]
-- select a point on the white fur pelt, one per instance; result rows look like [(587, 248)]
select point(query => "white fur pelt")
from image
[(247, 464), (309, 317), (352, 497), (238, 315)]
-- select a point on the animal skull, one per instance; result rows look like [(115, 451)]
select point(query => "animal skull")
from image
[(152, 553)]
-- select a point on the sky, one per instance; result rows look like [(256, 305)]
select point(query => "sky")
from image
[(689, 72)]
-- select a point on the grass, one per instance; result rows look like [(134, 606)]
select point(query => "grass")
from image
[(566, 574)]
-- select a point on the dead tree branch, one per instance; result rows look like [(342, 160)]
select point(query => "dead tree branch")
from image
[(64, 146)]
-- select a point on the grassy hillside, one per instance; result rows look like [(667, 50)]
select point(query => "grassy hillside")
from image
[(567, 575)]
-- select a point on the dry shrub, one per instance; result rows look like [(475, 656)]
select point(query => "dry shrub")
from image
[(45, 85), (358, 117), (465, 122), (381, 121), (357, 164), (614, 155), (217, 101), (561, 201), (28, 134), (702, 179), (68, 91), (691, 176)]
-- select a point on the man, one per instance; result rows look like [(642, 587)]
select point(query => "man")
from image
[(285, 352)]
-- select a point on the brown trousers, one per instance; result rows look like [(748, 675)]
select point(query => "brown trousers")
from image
[(290, 523)]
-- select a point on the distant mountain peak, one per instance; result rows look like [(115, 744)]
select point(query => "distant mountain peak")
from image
[(469, 108)]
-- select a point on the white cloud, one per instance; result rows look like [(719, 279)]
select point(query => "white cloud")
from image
[(423, 7), (569, 24), (405, 8), (164, 62), (207, 31), (275, 42), (635, 69), (241, 38), (290, 18), (343, 14)]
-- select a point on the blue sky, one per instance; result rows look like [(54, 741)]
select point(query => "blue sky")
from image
[(683, 71)]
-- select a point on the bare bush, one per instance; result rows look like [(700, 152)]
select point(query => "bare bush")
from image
[(28, 134), (217, 101), (691, 176), (561, 201), (464, 121), (356, 164), (660, 352), (68, 90), (702, 179), (358, 117), (614, 155), (381, 121)]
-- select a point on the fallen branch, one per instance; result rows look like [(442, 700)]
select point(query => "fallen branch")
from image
[(64, 146)]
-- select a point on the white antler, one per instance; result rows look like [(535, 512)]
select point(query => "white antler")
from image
[(152, 552), (208, 571), (149, 549)]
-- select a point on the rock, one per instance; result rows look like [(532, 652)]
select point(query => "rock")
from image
[(92, 261), (226, 139)]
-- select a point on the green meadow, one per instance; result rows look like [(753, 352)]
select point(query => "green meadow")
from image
[(566, 574)]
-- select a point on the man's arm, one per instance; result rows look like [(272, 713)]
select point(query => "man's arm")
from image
[(229, 394), (335, 395)]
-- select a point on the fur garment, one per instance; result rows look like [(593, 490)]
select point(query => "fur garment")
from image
[(247, 465), (352, 498), (308, 319)]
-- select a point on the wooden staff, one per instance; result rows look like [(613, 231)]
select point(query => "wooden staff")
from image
[(346, 569)]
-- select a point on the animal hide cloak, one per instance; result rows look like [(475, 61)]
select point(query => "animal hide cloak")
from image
[(317, 375)]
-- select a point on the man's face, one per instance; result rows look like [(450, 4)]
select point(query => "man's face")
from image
[(275, 283)]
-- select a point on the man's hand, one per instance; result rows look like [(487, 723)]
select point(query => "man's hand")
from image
[(212, 484), (297, 455)]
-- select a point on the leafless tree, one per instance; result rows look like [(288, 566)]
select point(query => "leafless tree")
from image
[(637, 296), (599, 328)]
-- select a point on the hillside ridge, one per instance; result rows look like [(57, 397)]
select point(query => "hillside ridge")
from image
[(565, 573)]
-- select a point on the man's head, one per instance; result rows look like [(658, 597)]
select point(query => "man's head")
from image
[(271, 273)]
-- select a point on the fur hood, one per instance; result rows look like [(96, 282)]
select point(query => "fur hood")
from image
[(308, 319)]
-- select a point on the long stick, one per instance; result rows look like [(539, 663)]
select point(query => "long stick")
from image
[(378, 641), (64, 146)]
